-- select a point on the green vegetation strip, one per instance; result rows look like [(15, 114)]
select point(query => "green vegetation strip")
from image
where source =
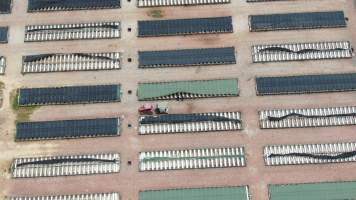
[(314, 191), (173, 158), (22, 113), (222, 193)]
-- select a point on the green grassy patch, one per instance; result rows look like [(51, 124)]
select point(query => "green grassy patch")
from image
[(22, 113), (156, 13)]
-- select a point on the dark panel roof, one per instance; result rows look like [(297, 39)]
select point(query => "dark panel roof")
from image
[(5, 6), (212, 56), (297, 21), (4, 34), (67, 129), (306, 84), (69, 95), (184, 26), (57, 5)]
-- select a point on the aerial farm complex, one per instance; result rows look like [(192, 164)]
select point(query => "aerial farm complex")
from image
[(177, 99)]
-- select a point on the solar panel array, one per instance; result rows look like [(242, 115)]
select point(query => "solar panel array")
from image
[(155, 3), (65, 165), (61, 5), (5, 6), (192, 159), (94, 196), (2, 65), (301, 51), (43, 63), (310, 154), (69, 95), (4, 34), (308, 117), (292, 21), (184, 26), (189, 123), (67, 129), (306, 84), (79, 31), (187, 57)]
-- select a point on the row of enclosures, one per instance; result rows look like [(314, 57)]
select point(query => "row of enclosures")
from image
[(172, 27), (168, 58), (67, 5), (179, 90), (182, 159), (187, 123), (305, 191), (67, 62)]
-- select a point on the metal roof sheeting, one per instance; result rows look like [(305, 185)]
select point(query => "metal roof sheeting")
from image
[(65, 62), (308, 117), (202, 158), (95, 196), (65, 165), (313, 191), (301, 51), (190, 123), (196, 88), (60, 5), (77, 31), (156, 3), (2, 65), (217, 193)]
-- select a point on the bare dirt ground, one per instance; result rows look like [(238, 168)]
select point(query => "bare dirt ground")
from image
[(129, 181)]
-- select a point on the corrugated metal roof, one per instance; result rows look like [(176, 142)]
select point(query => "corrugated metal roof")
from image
[(56, 5), (223, 193), (221, 87), (313, 191)]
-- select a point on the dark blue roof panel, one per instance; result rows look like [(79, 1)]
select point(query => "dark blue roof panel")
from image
[(184, 57), (4, 34), (292, 21), (306, 84), (60, 5), (5, 6), (67, 129), (185, 26), (69, 95)]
